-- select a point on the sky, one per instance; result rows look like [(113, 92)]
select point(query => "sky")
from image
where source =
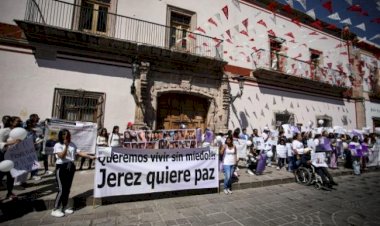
[(361, 12)]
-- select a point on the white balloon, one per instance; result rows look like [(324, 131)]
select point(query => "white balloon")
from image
[(249, 143), (18, 133), (269, 154), (218, 138), (6, 165), (320, 121)]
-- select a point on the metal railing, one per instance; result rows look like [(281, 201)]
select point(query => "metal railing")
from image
[(101, 22), (274, 61)]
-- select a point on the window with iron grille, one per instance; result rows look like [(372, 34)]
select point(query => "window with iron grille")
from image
[(79, 105)]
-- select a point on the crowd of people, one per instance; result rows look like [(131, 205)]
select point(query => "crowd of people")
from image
[(287, 150)]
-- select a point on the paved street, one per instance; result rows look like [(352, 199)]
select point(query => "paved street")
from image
[(356, 201)]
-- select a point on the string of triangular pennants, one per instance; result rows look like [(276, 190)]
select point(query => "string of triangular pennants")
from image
[(231, 34), (328, 5)]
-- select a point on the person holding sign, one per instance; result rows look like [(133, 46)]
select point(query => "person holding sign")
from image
[(65, 152), (229, 153)]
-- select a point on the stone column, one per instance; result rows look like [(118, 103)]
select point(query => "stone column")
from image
[(141, 94)]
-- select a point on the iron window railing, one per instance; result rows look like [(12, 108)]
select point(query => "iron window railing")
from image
[(99, 21), (271, 60)]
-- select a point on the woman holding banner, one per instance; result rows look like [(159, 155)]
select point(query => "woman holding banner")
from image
[(229, 153), (65, 152)]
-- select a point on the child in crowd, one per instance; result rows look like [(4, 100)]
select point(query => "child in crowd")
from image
[(281, 151)]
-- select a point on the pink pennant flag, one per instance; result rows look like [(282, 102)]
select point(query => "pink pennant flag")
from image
[(201, 30), (212, 21), (229, 33), (328, 5), (376, 20), (355, 8), (192, 36), (272, 6), (229, 41), (271, 32), (287, 8), (205, 44), (331, 27), (298, 56), (296, 21), (262, 23), (290, 34), (244, 32), (218, 41), (313, 33), (317, 24), (245, 23), (225, 11)]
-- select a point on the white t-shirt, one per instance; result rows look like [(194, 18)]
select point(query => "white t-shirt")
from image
[(298, 146), (71, 152), (100, 140), (229, 156), (114, 140), (281, 150)]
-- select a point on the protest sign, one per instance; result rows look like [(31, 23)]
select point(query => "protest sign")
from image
[(318, 159), (259, 143), (83, 134), (24, 157), (139, 171)]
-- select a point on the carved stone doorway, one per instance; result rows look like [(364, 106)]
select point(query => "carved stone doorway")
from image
[(174, 109)]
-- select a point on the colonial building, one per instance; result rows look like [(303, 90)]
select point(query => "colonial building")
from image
[(220, 64)]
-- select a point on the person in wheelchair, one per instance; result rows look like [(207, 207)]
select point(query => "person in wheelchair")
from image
[(318, 160)]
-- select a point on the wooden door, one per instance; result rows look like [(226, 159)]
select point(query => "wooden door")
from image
[(174, 109)]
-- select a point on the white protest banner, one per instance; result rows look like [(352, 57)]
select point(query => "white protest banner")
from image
[(83, 134), (24, 157), (140, 171)]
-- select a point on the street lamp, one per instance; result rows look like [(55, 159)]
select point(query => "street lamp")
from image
[(240, 80), (135, 68)]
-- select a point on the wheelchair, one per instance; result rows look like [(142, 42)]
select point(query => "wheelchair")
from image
[(306, 175)]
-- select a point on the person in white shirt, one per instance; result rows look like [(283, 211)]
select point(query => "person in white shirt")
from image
[(298, 150), (65, 152), (114, 138), (229, 153), (281, 151)]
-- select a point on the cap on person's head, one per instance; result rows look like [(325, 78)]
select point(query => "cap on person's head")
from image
[(130, 124)]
